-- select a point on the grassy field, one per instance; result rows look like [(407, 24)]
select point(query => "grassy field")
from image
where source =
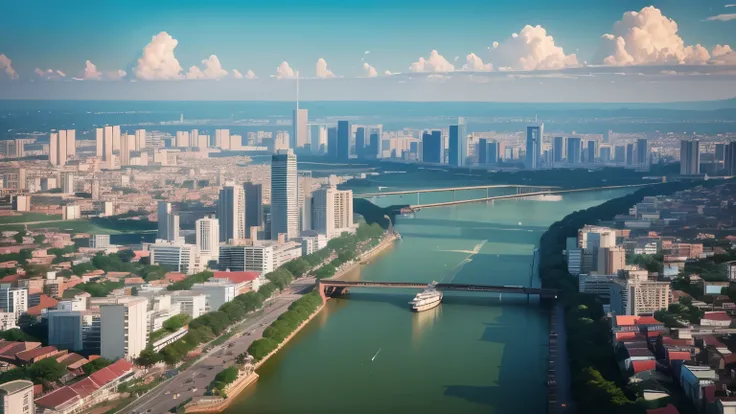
[(28, 216)]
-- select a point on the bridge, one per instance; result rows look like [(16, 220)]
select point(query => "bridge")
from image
[(453, 189), (522, 194), (332, 287)]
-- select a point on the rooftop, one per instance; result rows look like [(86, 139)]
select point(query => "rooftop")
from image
[(237, 277), (14, 386)]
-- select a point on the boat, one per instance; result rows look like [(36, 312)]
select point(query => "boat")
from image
[(427, 299)]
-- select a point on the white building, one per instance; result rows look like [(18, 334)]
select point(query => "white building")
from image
[(231, 212), (22, 203), (208, 238), (124, 328), (242, 258), (99, 241), (168, 222), (332, 211), (190, 303), (217, 291), (176, 256), (16, 397), (637, 297), (312, 241), (71, 212), (300, 135), (7, 321), (67, 183), (13, 300), (284, 195)]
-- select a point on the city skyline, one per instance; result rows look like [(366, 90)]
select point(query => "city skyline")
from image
[(542, 55)]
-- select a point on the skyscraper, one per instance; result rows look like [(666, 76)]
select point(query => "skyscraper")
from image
[(605, 153), (432, 147), (140, 139), (332, 142), (163, 212), (374, 149), (332, 211), (343, 140), (493, 152), (592, 155), (300, 134), (619, 154), (642, 153), (689, 157), (534, 146), (253, 207), (629, 154), (54, 148), (125, 144), (123, 328), (558, 150), (231, 212), (730, 159), (360, 141), (318, 139), (574, 150), (482, 151), (458, 143), (208, 238), (284, 192)]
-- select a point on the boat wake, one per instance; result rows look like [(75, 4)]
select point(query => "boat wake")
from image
[(374, 356)]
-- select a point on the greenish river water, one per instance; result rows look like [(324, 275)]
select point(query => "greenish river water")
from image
[(476, 353)]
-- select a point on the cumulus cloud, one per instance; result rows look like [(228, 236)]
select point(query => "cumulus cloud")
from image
[(434, 64), (369, 70), (158, 61), (284, 71), (212, 70), (647, 37), (531, 49), (723, 55), (237, 74), (321, 70), (722, 17), (388, 73), (6, 65), (473, 63), (49, 74), (250, 75), (91, 72)]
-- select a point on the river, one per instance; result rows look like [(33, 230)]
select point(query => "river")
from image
[(476, 353)]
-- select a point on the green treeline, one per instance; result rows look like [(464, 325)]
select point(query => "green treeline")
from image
[(597, 385)]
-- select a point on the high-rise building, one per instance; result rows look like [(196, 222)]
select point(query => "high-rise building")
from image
[(140, 139), (168, 223), (558, 149), (208, 238), (605, 153), (125, 144), (534, 146), (67, 183), (730, 159), (71, 143), (432, 147), (482, 151), (642, 153), (253, 207), (222, 139), (630, 154), (332, 142), (318, 139), (639, 297), (374, 148), (574, 150), (284, 194), (689, 157), (54, 148), (13, 300), (231, 212), (719, 155), (458, 143), (343, 140), (62, 146), (592, 153), (619, 154), (611, 260), (16, 397), (360, 141), (300, 133), (493, 152), (124, 328), (332, 211), (65, 330), (104, 140)]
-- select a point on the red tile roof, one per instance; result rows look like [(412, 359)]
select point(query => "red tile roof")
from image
[(647, 320), (46, 302), (639, 352), (35, 353), (85, 387), (57, 398), (666, 340), (10, 278), (10, 349), (111, 372), (623, 336), (729, 359), (709, 392), (237, 277), (716, 316), (174, 276), (712, 340), (625, 320), (667, 409), (679, 356), (640, 366)]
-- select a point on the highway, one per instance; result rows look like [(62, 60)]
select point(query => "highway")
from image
[(193, 381)]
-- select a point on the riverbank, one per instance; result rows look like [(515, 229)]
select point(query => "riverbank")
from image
[(387, 242)]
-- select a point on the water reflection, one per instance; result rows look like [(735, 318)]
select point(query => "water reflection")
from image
[(422, 321)]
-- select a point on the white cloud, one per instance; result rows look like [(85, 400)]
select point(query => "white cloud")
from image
[(473, 63), (237, 74), (730, 5), (91, 72), (250, 75), (435, 63), (723, 17), (647, 37), (723, 55), (388, 73), (6, 65), (212, 70), (369, 70), (531, 49), (284, 71), (321, 70), (158, 61), (49, 74), (116, 74)]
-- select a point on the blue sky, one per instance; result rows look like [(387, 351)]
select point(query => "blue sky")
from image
[(259, 35)]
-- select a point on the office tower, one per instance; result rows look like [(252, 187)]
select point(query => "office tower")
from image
[(217, 291), (17, 397), (105, 145), (642, 152), (730, 159), (244, 258), (99, 241), (253, 207), (71, 143), (65, 330), (54, 148), (182, 139), (284, 192), (689, 157), (619, 154), (720, 152), (124, 328), (605, 153), (558, 149), (13, 300), (458, 143), (304, 195), (482, 151), (343, 140), (115, 138), (432, 147), (360, 139), (592, 155), (611, 260), (222, 138), (493, 152), (299, 136), (332, 211), (168, 222), (231, 212), (574, 150), (67, 183), (637, 297), (332, 142), (630, 154), (140, 139), (125, 141), (62, 146), (175, 256), (374, 148), (534, 146), (318, 139), (208, 238)]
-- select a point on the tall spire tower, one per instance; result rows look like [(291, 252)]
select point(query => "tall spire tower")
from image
[(299, 137)]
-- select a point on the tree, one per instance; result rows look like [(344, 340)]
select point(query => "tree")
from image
[(19, 236), (95, 365), (39, 239), (46, 371), (241, 358), (16, 335), (148, 358)]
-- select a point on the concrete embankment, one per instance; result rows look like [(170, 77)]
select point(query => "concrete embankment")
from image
[(387, 242)]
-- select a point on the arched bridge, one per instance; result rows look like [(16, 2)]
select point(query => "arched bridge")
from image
[(332, 287)]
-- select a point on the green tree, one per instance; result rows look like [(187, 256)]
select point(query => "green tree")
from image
[(46, 371), (95, 365), (148, 358)]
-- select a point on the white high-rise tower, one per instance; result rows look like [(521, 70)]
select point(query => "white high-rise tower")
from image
[(284, 195), (208, 238), (300, 134)]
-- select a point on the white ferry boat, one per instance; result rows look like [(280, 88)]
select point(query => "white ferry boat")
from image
[(427, 299)]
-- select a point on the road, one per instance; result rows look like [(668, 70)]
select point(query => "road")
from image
[(201, 373)]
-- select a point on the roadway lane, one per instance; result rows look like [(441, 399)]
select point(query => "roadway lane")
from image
[(194, 381)]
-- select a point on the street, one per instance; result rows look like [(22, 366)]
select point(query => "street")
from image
[(193, 381)]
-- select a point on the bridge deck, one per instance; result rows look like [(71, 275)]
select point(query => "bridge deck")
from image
[(443, 286), (440, 190)]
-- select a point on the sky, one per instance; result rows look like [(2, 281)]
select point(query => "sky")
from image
[(474, 50)]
